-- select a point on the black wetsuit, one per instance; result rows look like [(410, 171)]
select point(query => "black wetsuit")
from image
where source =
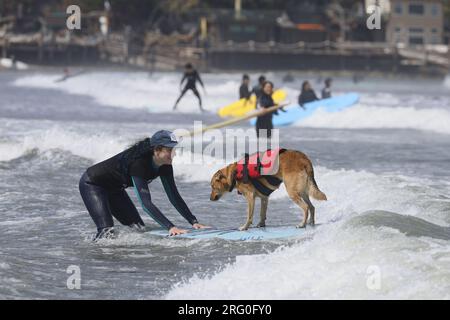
[(192, 78), (326, 93), (265, 121), (103, 185), (244, 93), (307, 96), (258, 91)]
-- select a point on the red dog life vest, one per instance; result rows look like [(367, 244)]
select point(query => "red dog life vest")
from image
[(258, 164)]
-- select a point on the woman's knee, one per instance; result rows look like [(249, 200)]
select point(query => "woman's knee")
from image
[(82, 184)]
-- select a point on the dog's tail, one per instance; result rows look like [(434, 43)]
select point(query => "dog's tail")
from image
[(314, 190)]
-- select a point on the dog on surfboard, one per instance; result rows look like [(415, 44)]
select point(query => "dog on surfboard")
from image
[(291, 167)]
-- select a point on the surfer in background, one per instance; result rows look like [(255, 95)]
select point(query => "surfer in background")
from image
[(266, 101), (258, 89), (357, 78), (244, 92), (66, 75), (288, 78), (326, 91), (103, 185), (191, 76), (307, 94)]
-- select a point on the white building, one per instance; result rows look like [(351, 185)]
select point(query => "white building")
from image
[(415, 22)]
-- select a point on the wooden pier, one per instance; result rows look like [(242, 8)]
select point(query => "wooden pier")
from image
[(154, 51)]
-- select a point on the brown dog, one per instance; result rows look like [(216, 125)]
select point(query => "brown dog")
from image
[(295, 170)]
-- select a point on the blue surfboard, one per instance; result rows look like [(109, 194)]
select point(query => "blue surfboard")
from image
[(266, 233), (294, 113)]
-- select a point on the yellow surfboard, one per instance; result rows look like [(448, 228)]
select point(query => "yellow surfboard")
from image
[(243, 106)]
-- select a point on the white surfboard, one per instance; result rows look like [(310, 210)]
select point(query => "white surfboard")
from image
[(254, 234)]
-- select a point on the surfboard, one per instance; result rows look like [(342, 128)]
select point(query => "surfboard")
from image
[(295, 113), (229, 122), (244, 106), (252, 234)]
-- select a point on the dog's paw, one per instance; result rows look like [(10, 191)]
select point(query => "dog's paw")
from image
[(261, 225), (301, 225), (243, 228)]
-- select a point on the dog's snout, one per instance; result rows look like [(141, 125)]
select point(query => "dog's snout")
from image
[(214, 197)]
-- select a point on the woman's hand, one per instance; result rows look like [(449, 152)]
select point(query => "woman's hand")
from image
[(199, 226), (174, 231)]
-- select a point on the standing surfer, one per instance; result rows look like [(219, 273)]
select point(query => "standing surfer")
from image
[(191, 76)]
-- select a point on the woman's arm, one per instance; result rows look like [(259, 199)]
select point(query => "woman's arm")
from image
[(174, 196), (143, 194)]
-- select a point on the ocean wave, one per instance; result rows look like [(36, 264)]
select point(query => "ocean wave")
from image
[(137, 90), (345, 260), (393, 225), (447, 81), (364, 117)]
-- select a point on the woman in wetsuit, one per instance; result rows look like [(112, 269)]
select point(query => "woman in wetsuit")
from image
[(265, 101), (191, 76), (307, 94), (103, 185)]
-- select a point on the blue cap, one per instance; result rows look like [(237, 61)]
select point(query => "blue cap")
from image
[(164, 138)]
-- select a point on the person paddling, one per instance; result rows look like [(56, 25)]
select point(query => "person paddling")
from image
[(307, 94)]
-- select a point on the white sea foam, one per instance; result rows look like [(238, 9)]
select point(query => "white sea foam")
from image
[(339, 263), (447, 81), (363, 117), (95, 146), (138, 90), (344, 255)]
